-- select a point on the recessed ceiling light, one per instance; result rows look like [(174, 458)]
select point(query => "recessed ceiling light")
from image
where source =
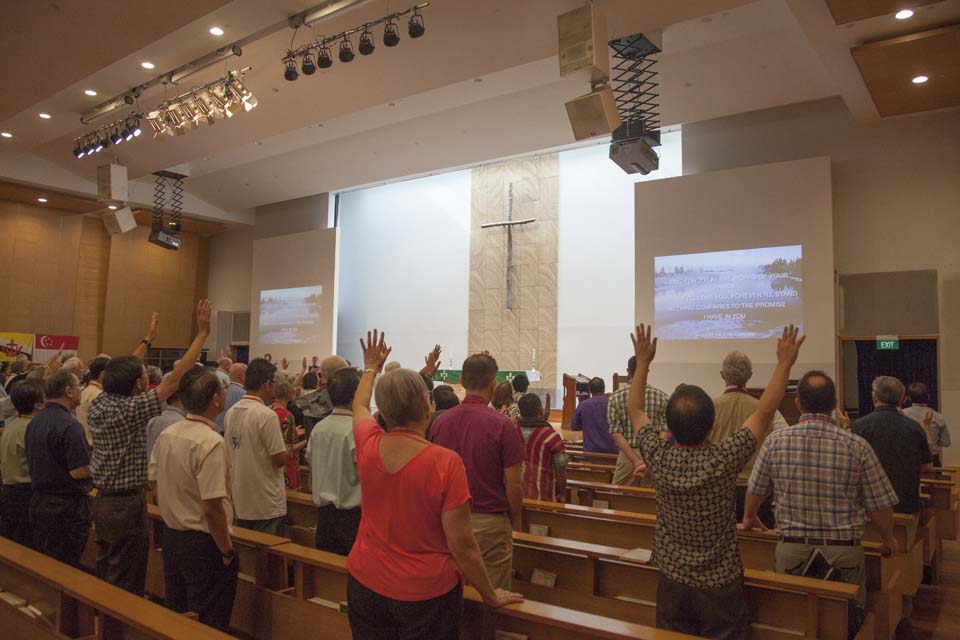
[(903, 14), (90, 92), (45, 116), (41, 200), (920, 79), (112, 207), (6, 134), (147, 65), (217, 31)]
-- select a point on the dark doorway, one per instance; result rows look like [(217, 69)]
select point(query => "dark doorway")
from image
[(914, 361)]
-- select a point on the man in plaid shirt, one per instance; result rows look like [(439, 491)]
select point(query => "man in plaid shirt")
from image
[(118, 424), (630, 469), (825, 481)]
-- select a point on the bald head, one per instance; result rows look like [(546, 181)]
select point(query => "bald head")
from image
[(816, 393), (330, 365), (225, 363), (238, 373)]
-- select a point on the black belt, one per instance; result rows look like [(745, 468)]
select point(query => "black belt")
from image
[(820, 542), (122, 493)]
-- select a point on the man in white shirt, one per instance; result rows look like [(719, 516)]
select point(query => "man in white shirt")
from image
[(938, 436), (258, 453), (331, 453), (93, 389), (190, 475)]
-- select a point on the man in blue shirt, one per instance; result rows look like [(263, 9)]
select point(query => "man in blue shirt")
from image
[(591, 418), (59, 461)]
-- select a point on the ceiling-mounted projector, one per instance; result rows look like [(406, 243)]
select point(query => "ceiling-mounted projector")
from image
[(163, 239)]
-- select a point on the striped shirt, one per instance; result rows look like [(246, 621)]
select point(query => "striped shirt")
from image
[(543, 452), (823, 479), (654, 405)]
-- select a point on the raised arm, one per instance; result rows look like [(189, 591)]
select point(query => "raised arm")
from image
[(375, 354), (432, 362), (788, 346), (141, 351), (169, 384), (645, 349)]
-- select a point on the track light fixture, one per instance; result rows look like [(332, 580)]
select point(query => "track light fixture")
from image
[(366, 45), (222, 98), (114, 133), (346, 50), (416, 28), (308, 66), (316, 54), (290, 68), (391, 37)]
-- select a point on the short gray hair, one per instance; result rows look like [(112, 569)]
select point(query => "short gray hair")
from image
[(390, 366), (330, 365), (282, 385), (198, 389), (154, 374), (888, 389), (401, 395), (737, 368)]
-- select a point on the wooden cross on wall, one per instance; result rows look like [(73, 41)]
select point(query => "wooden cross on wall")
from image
[(509, 223)]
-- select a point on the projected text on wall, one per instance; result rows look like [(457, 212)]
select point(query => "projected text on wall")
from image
[(290, 316), (748, 293)]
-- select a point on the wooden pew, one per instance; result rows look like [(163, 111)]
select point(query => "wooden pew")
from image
[(592, 457), (311, 602), (597, 579), (259, 573), (589, 472), (67, 603), (944, 504), (632, 530)]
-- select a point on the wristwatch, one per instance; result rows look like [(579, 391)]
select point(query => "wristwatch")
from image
[(229, 554), (147, 342)]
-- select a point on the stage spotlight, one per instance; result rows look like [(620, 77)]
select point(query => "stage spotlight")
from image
[(366, 45), (324, 59), (346, 50), (290, 68), (126, 132), (78, 152), (391, 36), (98, 146), (308, 66), (116, 137), (136, 128), (416, 27), (90, 148)]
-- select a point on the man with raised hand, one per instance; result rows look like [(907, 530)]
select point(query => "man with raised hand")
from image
[(700, 591), (118, 424)]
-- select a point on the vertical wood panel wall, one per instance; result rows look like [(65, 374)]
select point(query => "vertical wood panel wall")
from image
[(62, 273)]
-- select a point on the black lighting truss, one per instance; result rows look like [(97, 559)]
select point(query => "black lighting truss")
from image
[(633, 78), (176, 201)]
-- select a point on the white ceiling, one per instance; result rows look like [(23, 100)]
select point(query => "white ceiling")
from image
[(483, 83)]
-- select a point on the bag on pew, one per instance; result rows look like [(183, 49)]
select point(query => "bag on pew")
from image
[(817, 566)]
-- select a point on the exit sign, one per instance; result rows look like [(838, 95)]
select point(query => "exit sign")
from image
[(888, 343)]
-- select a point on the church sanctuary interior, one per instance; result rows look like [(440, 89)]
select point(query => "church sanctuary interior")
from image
[(480, 319)]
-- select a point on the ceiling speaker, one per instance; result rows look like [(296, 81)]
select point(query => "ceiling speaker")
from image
[(582, 35), (119, 221), (594, 114)]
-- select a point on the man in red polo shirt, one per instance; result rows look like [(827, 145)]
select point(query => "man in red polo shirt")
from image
[(491, 447)]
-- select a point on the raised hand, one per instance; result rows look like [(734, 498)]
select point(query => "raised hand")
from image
[(204, 311), (843, 420), (432, 361), (788, 346), (315, 362), (54, 362), (928, 419), (375, 351), (304, 363), (644, 347), (284, 363), (152, 327)]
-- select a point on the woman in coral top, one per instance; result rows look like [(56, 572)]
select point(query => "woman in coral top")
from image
[(415, 547)]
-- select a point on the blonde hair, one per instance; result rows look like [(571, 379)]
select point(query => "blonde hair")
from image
[(400, 396)]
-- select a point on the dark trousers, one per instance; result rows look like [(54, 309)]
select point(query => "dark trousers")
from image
[(374, 617), (764, 512), (123, 539), (718, 614), (196, 578), (936, 460), (15, 512), (60, 524), (337, 529)]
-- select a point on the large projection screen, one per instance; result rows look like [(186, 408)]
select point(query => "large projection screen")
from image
[(293, 296), (723, 259)]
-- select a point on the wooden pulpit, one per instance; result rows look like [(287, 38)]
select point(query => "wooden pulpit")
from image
[(575, 389), (788, 407)]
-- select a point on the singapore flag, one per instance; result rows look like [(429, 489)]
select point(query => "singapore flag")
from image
[(46, 345)]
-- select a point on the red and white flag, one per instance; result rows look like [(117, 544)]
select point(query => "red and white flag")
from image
[(46, 345)]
